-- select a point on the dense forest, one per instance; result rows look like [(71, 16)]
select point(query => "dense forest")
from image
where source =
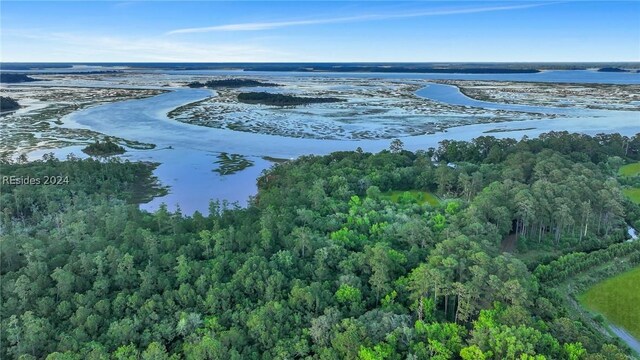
[(321, 264), (266, 98), (10, 78), (8, 104), (229, 83)]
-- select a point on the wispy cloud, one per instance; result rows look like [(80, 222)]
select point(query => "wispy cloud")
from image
[(85, 47), (255, 26), (268, 25)]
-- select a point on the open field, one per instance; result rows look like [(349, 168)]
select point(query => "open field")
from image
[(417, 196), (617, 299), (630, 169), (633, 194)]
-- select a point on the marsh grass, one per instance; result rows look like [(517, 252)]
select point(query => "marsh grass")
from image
[(411, 196)]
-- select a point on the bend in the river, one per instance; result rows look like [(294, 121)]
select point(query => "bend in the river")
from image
[(187, 153)]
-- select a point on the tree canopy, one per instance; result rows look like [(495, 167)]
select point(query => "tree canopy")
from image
[(8, 104), (266, 98), (11, 78), (229, 83), (103, 148)]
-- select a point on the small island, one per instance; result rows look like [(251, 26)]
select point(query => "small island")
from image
[(229, 83), (8, 104), (612, 69), (9, 78), (265, 98), (507, 130), (231, 163), (103, 148)]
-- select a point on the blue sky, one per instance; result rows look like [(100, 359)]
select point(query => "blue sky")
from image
[(315, 31)]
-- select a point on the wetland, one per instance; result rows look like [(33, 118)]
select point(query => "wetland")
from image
[(210, 146)]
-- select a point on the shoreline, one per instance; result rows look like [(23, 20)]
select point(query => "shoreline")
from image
[(178, 143)]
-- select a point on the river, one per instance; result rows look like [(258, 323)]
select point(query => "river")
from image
[(187, 152), (631, 341)]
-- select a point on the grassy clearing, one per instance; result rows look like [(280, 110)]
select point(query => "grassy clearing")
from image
[(633, 194), (411, 196), (630, 169), (534, 257), (617, 298)]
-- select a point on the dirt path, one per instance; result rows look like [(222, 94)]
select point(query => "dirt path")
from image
[(509, 243)]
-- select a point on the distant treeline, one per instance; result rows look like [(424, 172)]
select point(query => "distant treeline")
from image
[(94, 72), (34, 66), (612, 69), (15, 78), (8, 104), (318, 65), (394, 69), (230, 83), (283, 100)]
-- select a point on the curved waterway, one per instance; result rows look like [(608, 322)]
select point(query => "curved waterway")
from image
[(452, 95), (631, 341), (187, 153)]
